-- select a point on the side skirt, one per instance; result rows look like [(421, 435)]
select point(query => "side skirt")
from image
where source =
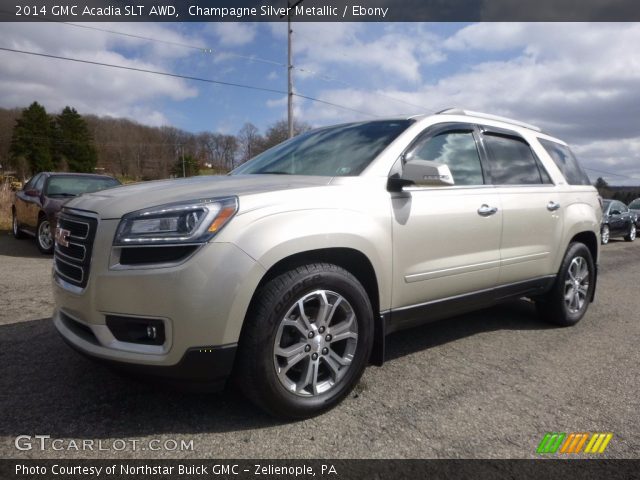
[(424, 313)]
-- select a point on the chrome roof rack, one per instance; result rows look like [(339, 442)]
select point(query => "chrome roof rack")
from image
[(488, 116)]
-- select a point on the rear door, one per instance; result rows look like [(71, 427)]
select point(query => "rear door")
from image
[(532, 216)]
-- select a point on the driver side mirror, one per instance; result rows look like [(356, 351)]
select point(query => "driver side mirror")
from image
[(423, 173), (31, 193)]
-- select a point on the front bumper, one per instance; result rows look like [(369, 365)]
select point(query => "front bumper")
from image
[(201, 302)]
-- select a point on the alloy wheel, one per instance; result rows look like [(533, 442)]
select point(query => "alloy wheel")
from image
[(44, 235), (315, 343), (576, 285)]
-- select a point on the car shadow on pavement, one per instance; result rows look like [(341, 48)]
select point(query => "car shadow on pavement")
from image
[(12, 247), (47, 388), (514, 315)]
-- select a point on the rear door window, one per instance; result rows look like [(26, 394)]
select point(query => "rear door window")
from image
[(511, 161)]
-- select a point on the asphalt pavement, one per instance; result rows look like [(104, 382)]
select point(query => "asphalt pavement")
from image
[(483, 385)]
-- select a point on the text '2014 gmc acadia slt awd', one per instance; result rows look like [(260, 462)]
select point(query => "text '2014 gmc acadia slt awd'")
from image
[(289, 272)]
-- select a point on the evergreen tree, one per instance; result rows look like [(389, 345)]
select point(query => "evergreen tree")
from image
[(32, 138), (73, 143), (189, 168)]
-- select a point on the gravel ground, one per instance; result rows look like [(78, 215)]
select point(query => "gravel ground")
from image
[(484, 385)]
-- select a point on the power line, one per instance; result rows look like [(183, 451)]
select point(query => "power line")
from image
[(177, 44), (185, 77), (253, 58), (611, 174)]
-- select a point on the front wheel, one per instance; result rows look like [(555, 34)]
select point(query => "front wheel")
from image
[(605, 234), (15, 226), (631, 236), (568, 300), (306, 341), (44, 236)]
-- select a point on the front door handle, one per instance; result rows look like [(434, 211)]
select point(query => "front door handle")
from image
[(485, 210), (553, 206)]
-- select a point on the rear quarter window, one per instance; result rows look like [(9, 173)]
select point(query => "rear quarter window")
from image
[(567, 163)]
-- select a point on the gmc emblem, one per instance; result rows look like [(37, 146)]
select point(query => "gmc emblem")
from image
[(62, 237)]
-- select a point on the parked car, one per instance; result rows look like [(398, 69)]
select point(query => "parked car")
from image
[(635, 209), (36, 207), (617, 221), (290, 271)]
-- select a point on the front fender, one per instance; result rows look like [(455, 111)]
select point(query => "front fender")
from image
[(273, 237)]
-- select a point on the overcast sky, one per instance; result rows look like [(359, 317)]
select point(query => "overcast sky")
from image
[(580, 82)]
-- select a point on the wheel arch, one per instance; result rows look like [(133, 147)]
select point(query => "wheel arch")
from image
[(353, 261)]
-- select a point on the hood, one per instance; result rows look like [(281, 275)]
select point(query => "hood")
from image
[(115, 202)]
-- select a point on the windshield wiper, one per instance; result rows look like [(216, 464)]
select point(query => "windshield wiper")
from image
[(274, 172), (62, 195)]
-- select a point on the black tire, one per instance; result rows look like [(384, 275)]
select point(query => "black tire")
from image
[(256, 365), (553, 306), (605, 234), (17, 233), (45, 247), (631, 236)]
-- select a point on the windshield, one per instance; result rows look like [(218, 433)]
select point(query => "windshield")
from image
[(70, 186), (343, 150), (635, 204)]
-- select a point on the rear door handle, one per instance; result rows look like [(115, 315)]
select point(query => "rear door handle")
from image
[(553, 206), (485, 210)]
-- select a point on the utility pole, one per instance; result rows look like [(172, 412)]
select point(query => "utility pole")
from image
[(184, 174), (289, 74), (290, 8)]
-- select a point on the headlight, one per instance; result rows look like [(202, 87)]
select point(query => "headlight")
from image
[(185, 222)]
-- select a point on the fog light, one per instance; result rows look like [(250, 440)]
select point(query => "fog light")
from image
[(147, 331), (152, 332)]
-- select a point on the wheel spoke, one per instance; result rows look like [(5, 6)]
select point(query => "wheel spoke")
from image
[(290, 352), (303, 315), (325, 312), (343, 330), (309, 378), (341, 361), (296, 323)]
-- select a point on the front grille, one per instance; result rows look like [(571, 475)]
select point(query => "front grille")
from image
[(72, 261)]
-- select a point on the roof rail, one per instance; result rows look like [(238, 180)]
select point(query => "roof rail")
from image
[(488, 116)]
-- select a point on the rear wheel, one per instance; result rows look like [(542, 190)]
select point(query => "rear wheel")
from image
[(15, 227), (605, 234), (631, 236), (306, 341), (568, 300), (44, 236)]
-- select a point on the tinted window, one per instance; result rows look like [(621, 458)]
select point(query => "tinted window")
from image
[(566, 162), (32, 181), (512, 161), (343, 150), (455, 149), (39, 183), (635, 204), (72, 185)]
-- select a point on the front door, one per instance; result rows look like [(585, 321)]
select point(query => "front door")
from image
[(446, 240)]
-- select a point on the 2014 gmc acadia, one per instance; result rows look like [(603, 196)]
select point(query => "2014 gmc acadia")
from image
[(288, 273)]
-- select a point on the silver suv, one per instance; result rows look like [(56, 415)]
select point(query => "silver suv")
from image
[(288, 273)]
